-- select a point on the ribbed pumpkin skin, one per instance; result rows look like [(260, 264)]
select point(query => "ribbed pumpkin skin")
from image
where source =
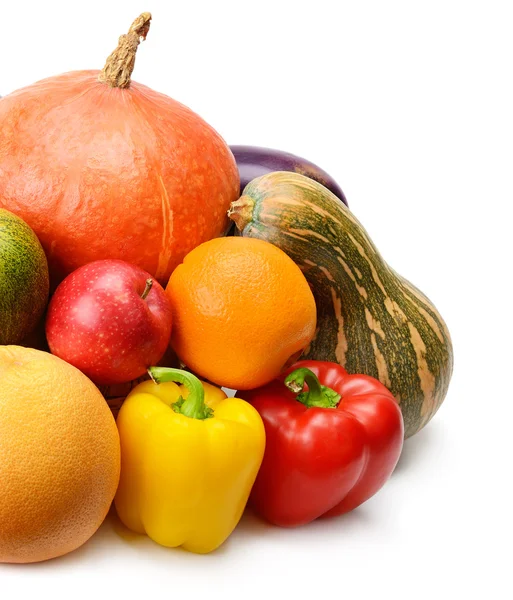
[(370, 319), (100, 172), (23, 279)]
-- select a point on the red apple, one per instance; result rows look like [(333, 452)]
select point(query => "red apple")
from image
[(111, 320)]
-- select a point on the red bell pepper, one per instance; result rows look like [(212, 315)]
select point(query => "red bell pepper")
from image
[(329, 448)]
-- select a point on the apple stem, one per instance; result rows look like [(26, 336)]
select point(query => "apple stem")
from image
[(149, 284)]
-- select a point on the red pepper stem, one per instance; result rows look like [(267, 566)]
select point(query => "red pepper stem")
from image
[(317, 394), (194, 405)]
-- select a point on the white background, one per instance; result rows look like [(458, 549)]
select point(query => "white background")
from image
[(409, 106)]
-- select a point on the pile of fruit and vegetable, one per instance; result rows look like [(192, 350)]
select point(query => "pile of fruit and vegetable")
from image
[(146, 269)]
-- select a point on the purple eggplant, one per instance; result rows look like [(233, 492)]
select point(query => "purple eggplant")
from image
[(254, 161)]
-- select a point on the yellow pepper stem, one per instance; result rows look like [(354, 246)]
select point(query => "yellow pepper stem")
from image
[(194, 405)]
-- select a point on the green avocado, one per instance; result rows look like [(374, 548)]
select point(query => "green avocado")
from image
[(24, 281)]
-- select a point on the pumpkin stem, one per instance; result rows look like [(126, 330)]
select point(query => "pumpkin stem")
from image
[(120, 64), (241, 211)]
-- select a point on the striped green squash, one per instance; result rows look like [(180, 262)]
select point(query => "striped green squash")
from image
[(24, 281), (370, 319)]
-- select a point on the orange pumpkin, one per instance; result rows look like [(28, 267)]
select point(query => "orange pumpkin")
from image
[(102, 167)]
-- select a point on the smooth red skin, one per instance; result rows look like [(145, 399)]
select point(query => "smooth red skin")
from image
[(109, 173), (98, 322), (323, 462)]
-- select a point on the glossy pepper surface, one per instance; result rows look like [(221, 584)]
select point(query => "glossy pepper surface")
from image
[(189, 457), (329, 448)]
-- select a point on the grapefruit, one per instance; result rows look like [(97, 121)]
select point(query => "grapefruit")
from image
[(60, 456)]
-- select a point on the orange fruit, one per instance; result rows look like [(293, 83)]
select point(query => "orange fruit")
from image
[(242, 311), (59, 456)]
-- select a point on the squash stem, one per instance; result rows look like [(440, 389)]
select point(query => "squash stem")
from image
[(194, 405), (317, 395), (241, 211)]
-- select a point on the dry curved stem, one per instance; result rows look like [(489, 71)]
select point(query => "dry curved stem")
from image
[(120, 64), (241, 211)]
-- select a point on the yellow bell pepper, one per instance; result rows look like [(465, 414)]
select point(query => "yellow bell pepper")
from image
[(189, 458)]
